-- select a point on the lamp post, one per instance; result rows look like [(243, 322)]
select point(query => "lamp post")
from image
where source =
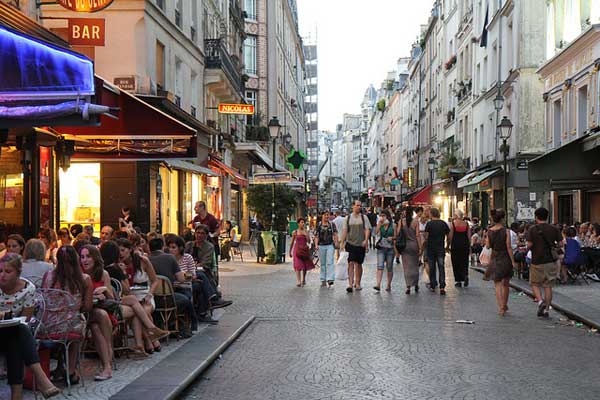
[(431, 164), (505, 130), (274, 128)]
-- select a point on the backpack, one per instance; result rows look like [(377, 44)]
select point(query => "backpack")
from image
[(401, 239), (362, 217)]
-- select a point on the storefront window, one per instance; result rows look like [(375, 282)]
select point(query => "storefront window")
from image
[(11, 189), (80, 195), (45, 189), (235, 207), (213, 196)]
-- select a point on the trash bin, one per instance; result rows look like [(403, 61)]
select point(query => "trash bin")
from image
[(281, 246)]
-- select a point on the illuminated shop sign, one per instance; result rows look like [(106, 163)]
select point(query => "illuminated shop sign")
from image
[(244, 109), (85, 5)]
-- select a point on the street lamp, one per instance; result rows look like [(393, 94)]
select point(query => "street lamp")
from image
[(431, 163), (274, 128), (505, 130), (498, 102)]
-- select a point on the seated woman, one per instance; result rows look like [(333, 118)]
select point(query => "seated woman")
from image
[(34, 266), (110, 254), (68, 277), (17, 342), (15, 244), (142, 282), (228, 237)]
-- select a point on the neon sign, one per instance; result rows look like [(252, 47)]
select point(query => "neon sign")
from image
[(85, 5)]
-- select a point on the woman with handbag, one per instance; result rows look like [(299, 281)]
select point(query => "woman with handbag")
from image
[(385, 230), (300, 252), (412, 251), (501, 261)]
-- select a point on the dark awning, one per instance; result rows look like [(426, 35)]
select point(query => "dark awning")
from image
[(139, 132), (568, 167)]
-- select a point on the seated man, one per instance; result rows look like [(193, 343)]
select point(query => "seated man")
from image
[(166, 265), (203, 253)]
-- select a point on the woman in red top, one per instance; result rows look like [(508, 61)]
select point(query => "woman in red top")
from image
[(459, 249)]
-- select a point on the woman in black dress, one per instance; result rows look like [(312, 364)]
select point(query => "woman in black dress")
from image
[(501, 263), (459, 248)]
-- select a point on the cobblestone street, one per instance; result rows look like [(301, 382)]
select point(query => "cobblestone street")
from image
[(319, 343)]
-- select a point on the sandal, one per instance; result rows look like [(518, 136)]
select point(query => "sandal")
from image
[(100, 378), (51, 392), (138, 353), (156, 333)]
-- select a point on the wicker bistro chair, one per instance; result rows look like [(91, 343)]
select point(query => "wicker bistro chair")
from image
[(166, 307), (61, 324), (121, 332)]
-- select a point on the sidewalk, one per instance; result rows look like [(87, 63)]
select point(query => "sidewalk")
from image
[(578, 300)]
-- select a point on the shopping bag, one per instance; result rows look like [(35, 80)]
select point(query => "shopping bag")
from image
[(485, 256), (341, 266)]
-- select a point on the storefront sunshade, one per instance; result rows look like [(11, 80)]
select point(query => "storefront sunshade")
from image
[(258, 155), (475, 181), (188, 166), (140, 131), (219, 166), (31, 68), (423, 196)]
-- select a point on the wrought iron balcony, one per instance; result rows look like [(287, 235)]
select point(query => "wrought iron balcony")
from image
[(217, 57)]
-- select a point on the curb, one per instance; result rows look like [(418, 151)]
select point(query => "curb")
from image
[(561, 303), (160, 383), (209, 360)]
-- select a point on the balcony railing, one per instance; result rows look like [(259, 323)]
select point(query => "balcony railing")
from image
[(217, 57)]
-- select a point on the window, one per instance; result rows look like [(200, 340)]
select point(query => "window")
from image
[(557, 123), (178, 13), (582, 110), (250, 55), (178, 82), (484, 82), (161, 4), (478, 84), (250, 8), (194, 94), (194, 27), (251, 99), (160, 65)]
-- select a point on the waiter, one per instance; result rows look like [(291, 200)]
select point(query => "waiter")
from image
[(203, 217)]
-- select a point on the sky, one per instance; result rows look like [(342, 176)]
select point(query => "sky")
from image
[(359, 41)]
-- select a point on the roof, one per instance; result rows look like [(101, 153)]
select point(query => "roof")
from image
[(15, 20)]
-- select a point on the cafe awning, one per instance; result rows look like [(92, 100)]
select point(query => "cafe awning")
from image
[(421, 196), (221, 168), (43, 82), (189, 166), (257, 154), (139, 131), (478, 182)]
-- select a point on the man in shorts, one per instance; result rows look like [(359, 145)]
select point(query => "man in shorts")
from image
[(544, 268), (355, 236)]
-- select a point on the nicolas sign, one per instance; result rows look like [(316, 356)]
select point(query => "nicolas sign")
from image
[(85, 5)]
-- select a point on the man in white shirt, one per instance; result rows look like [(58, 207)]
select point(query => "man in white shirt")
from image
[(514, 236), (338, 221)]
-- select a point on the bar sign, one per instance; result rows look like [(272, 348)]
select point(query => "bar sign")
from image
[(86, 31)]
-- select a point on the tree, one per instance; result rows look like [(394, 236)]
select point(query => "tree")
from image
[(259, 201)]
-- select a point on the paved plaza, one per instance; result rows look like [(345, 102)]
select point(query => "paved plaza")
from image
[(319, 343)]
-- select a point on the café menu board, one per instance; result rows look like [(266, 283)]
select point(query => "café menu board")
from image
[(85, 5)]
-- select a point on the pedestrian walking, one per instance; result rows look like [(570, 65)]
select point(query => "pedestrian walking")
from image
[(436, 232), (373, 221), (459, 249), (423, 218), (409, 226), (501, 260), (543, 239), (300, 252), (385, 232), (325, 241), (355, 238)]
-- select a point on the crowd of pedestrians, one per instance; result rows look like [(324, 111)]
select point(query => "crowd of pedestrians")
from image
[(422, 240), (113, 279)]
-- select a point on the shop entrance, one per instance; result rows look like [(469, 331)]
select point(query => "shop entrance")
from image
[(565, 209), (80, 195)]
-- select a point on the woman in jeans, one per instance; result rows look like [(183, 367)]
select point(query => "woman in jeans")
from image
[(385, 250), (16, 342), (326, 236)]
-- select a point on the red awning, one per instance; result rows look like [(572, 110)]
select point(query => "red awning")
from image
[(219, 166), (423, 196), (140, 131)]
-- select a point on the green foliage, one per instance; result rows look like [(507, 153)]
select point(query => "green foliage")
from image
[(381, 105), (448, 160), (259, 201), (257, 133)]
